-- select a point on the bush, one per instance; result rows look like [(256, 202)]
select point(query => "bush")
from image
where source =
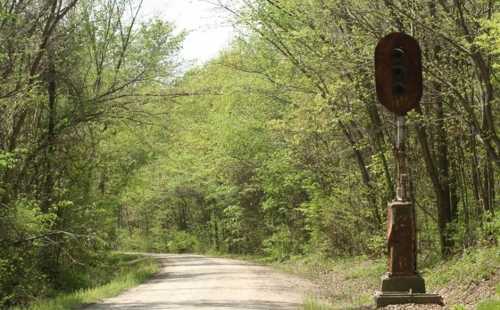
[(128, 271), (280, 245), (182, 242), (134, 241)]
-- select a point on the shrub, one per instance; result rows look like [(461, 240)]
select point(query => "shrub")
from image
[(182, 242)]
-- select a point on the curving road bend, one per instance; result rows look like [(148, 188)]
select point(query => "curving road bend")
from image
[(197, 282)]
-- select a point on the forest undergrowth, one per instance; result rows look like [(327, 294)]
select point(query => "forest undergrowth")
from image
[(121, 272), (468, 281)]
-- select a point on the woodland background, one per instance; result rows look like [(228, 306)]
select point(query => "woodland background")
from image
[(278, 147)]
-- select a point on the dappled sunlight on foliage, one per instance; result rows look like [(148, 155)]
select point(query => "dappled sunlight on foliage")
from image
[(277, 147)]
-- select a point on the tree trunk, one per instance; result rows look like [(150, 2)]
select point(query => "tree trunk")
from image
[(49, 179), (446, 207), (365, 174)]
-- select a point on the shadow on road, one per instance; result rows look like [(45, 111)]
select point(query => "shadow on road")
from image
[(193, 260)]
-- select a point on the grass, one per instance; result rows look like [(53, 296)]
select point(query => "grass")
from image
[(350, 283), (346, 283), (491, 304), (131, 274), (466, 273), (473, 266), (312, 303)]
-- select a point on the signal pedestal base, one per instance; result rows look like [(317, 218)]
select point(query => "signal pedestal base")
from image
[(414, 283), (383, 299), (405, 290)]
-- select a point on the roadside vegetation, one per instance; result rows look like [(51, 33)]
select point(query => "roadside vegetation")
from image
[(276, 148), (468, 281), (119, 273)]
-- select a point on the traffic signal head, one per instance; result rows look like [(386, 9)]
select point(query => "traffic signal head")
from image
[(398, 72)]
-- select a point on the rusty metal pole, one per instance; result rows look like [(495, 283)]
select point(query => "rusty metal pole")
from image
[(401, 161), (402, 283), (401, 233), (398, 72)]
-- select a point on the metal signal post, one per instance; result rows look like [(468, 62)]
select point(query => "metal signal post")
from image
[(398, 72)]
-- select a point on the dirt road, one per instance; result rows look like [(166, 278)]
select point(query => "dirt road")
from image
[(197, 282)]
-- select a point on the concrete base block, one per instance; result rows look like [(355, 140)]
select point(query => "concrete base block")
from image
[(414, 284), (383, 299)]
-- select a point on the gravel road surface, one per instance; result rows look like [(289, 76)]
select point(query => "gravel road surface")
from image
[(197, 282)]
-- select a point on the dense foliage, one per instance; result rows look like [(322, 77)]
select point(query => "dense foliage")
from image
[(277, 147), (71, 72)]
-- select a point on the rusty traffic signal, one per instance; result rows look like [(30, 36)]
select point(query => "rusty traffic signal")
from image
[(398, 72)]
